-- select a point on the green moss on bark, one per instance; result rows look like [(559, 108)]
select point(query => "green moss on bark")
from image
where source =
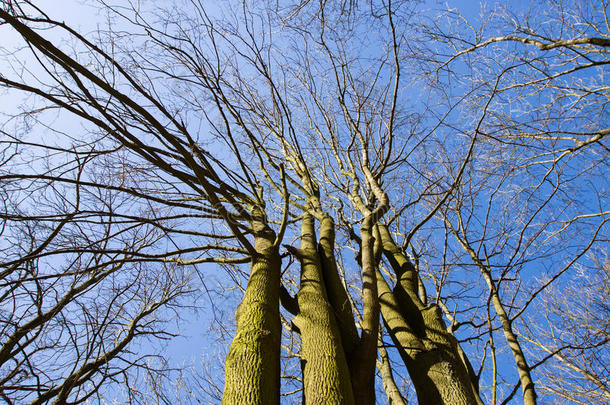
[(252, 368), (431, 354), (326, 378)]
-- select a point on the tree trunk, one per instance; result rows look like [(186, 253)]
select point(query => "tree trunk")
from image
[(252, 368), (525, 377), (429, 351), (387, 377), (326, 378), (363, 360), (337, 295)]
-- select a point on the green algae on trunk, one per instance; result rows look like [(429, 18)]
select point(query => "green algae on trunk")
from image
[(326, 378), (252, 368)]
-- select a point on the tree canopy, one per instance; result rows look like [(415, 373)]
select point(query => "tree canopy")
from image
[(398, 201)]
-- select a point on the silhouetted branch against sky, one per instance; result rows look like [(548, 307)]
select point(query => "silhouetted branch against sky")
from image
[(165, 166)]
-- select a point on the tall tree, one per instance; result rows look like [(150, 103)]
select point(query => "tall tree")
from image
[(420, 171)]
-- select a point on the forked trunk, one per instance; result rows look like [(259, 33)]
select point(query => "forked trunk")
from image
[(326, 378)]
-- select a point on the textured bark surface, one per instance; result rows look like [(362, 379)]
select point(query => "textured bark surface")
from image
[(325, 372), (525, 378), (408, 344), (337, 295), (252, 368), (438, 373), (362, 362), (387, 377), (429, 351)]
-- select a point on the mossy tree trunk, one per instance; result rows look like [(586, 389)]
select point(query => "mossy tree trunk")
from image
[(252, 368), (363, 360), (326, 378), (430, 353), (337, 295)]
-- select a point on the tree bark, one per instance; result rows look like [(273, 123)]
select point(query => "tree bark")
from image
[(337, 295), (252, 367), (326, 378), (387, 377), (430, 353), (363, 361)]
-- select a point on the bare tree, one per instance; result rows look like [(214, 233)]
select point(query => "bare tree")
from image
[(418, 170), (574, 337)]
